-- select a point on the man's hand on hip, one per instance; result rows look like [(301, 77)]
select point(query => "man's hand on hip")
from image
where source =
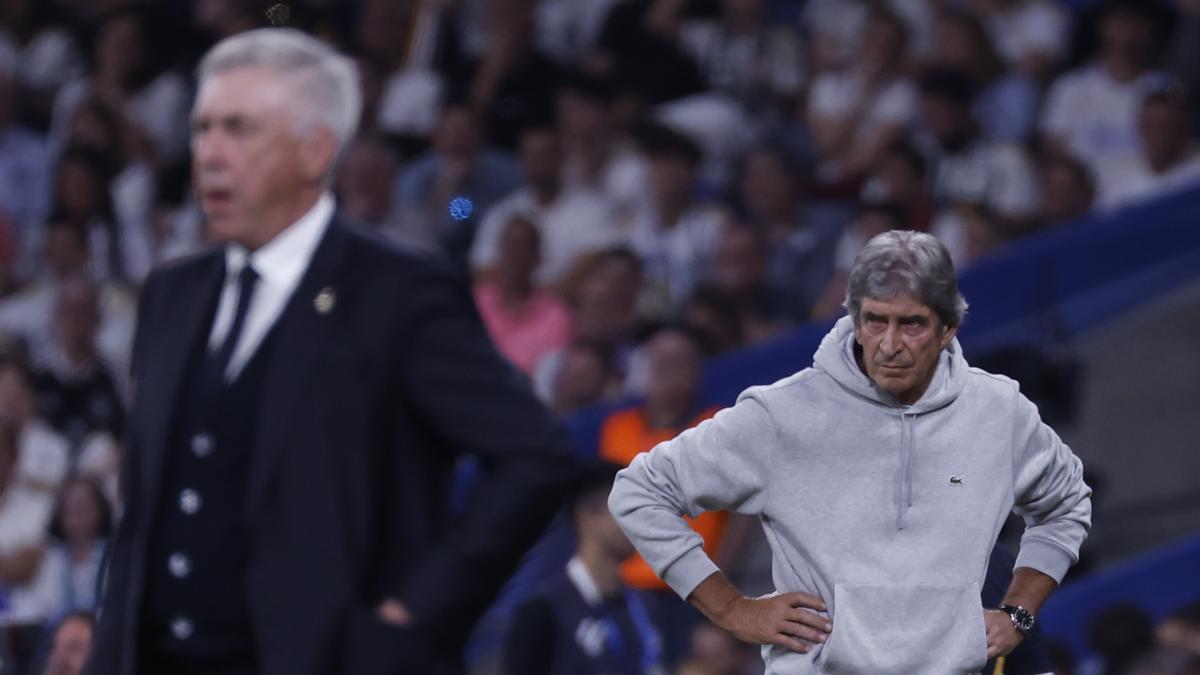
[(1002, 635), (784, 620)]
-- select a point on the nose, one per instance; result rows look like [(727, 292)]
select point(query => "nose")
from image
[(209, 151), (890, 345)]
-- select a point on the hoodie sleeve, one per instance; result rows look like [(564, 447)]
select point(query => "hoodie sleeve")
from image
[(1050, 495), (722, 464)]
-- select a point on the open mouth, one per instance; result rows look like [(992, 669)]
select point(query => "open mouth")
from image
[(216, 198)]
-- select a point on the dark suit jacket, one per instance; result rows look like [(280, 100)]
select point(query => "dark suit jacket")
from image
[(366, 409)]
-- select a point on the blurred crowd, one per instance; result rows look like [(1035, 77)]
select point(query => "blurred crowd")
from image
[(630, 185)]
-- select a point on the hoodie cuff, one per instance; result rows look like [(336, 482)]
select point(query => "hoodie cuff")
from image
[(685, 574), (1048, 558)]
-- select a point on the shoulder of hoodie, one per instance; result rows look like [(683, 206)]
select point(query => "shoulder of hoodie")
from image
[(794, 384)]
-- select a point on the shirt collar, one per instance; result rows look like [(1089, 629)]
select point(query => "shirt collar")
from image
[(283, 259), (578, 573)]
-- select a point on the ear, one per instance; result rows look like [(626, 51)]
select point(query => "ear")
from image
[(317, 153), (948, 336)]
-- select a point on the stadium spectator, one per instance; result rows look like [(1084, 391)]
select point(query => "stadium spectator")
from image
[(603, 312), (902, 177), (126, 72), (71, 644), (1091, 112), (715, 316), (1180, 629), (585, 376), (25, 180), (120, 245), (526, 322), (364, 182), (78, 393), (747, 59), (1006, 102), (1120, 635), (443, 194), (1166, 662), (42, 53), (639, 47), (872, 219), (854, 113), (742, 270), (572, 221), (411, 90), (801, 236), (675, 233), (987, 189), (1067, 189), (1031, 35), (1168, 156), (672, 405), (586, 620), (80, 532), (513, 84), (598, 155), (25, 512), (43, 455), (30, 313)]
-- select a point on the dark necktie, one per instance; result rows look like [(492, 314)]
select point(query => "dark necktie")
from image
[(220, 359)]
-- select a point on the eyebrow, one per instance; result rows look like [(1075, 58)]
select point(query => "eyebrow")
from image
[(909, 318)]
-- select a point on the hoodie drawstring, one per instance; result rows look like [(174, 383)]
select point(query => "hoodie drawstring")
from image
[(904, 476)]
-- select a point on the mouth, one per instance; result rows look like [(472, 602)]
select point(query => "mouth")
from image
[(215, 199)]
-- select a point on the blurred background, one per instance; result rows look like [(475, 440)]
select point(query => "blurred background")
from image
[(656, 203)]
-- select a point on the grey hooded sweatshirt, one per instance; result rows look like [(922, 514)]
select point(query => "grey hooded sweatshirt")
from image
[(887, 512)]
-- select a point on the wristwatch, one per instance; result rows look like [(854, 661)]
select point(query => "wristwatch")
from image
[(1021, 617)]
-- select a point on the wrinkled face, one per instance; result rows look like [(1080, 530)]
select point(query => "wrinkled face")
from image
[(901, 339), (250, 163)]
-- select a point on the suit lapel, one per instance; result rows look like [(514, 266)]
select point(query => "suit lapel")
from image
[(301, 332), (184, 323)]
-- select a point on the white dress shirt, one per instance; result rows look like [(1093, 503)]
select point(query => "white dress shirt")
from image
[(280, 264)]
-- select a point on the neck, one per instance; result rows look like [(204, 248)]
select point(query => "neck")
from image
[(283, 217), (546, 193), (80, 550), (671, 209), (605, 572), (1122, 69)]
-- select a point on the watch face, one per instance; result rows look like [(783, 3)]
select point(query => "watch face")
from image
[(1021, 618)]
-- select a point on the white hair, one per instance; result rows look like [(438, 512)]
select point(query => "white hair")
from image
[(325, 81), (903, 262)]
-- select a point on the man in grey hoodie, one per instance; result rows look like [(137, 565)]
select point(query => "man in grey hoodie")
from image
[(882, 476)]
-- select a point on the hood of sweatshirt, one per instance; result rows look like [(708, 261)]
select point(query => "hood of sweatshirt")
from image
[(836, 357)]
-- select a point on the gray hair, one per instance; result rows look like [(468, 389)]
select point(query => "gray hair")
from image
[(325, 81), (903, 262)]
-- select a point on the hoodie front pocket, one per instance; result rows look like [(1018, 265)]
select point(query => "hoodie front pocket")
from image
[(905, 630)]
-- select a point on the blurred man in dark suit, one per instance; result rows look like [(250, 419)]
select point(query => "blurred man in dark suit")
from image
[(301, 395)]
